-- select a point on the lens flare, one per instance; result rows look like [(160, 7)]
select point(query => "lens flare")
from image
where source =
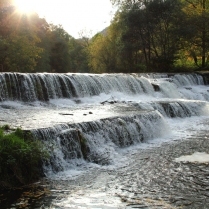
[(25, 6)]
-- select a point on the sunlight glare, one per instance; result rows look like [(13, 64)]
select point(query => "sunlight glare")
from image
[(74, 16), (25, 6)]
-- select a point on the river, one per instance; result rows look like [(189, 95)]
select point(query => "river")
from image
[(123, 126)]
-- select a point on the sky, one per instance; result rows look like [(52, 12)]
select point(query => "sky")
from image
[(76, 16)]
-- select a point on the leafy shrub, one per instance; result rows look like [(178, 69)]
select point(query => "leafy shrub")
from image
[(20, 158)]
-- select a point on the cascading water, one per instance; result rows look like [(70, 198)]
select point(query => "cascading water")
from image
[(89, 116), (42, 87), (52, 86), (97, 141), (87, 120), (128, 96)]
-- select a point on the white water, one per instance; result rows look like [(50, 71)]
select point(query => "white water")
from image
[(175, 129), (118, 115)]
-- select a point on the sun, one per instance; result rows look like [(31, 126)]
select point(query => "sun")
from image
[(25, 6)]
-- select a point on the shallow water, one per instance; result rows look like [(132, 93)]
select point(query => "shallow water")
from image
[(101, 187)]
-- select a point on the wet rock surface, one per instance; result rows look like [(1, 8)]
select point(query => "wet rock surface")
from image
[(34, 117)]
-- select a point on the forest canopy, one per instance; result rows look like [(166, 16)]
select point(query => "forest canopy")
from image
[(144, 36), (29, 43)]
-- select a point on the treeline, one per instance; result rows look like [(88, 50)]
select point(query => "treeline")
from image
[(145, 35), (154, 35), (29, 44)]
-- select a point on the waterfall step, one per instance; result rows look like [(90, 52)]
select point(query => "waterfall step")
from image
[(33, 117), (89, 117), (30, 117), (97, 141), (43, 86)]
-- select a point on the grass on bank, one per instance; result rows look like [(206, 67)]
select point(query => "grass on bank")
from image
[(20, 158)]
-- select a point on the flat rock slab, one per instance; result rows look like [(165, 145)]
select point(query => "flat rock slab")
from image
[(33, 117)]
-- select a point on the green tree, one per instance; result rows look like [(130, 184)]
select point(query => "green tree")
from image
[(103, 52), (165, 31), (59, 51), (197, 24), (19, 40), (133, 39), (78, 55), (151, 33), (22, 54)]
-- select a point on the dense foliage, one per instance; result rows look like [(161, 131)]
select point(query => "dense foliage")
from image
[(145, 35), (20, 158), (29, 44), (163, 35)]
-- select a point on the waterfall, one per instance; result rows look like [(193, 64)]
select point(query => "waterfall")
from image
[(96, 141), (44, 86), (89, 117), (176, 108)]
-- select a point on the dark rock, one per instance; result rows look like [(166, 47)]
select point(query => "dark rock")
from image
[(156, 87), (65, 113)]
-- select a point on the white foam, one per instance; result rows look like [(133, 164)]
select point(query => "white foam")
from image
[(62, 102), (199, 157)]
